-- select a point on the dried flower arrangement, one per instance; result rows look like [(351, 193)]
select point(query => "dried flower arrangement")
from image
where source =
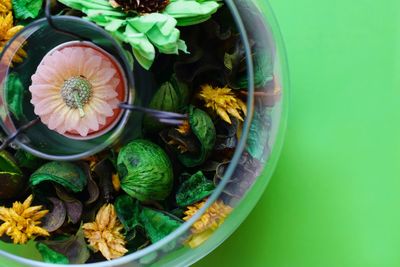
[(128, 197)]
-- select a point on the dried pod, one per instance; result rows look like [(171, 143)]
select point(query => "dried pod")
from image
[(66, 174), (203, 128), (12, 180), (56, 218), (171, 96), (194, 189), (145, 171)]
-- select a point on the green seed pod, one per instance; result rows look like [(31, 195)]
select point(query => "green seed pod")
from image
[(171, 96), (145, 171)]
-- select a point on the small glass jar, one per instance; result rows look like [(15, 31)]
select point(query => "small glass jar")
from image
[(40, 39)]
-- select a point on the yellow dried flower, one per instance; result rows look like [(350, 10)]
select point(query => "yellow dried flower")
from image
[(5, 6), (208, 222), (184, 129), (223, 101), (104, 234), (21, 221), (7, 31)]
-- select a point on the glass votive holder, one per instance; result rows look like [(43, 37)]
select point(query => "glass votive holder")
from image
[(39, 40)]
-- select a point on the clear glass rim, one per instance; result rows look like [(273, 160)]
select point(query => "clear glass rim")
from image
[(120, 125), (218, 190)]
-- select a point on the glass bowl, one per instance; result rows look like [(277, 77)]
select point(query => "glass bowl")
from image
[(242, 180)]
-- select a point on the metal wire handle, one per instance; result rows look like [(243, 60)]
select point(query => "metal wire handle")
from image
[(49, 18), (15, 134)]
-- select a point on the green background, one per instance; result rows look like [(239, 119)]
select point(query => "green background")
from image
[(334, 199)]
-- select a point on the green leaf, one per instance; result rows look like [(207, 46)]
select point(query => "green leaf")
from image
[(12, 180), (128, 211), (142, 48), (141, 32), (8, 164), (24, 9), (257, 140), (66, 174), (191, 12), (194, 189), (12, 185), (74, 248), (203, 128), (100, 6), (158, 224), (51, 256), (160, 30), (15, 95), (27, 160)]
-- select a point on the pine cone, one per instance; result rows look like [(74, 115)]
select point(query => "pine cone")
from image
[(142, 6)]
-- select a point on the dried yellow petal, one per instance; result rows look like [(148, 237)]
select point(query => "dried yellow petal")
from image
[(21, 221), (116, 182), (208, 222), (5, 6), (7, 31), (223, 101), (104, 234)]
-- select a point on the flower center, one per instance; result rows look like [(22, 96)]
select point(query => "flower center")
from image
[(76, 92)]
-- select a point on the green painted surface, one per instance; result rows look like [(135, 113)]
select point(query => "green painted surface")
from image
[(334, 199)]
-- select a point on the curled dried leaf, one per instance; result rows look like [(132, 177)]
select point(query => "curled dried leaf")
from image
[(56, 217), (73, 206)]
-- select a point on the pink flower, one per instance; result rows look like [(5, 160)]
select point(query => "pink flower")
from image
[(76, 90)]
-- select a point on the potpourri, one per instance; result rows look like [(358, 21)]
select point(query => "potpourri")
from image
[(132, 195)]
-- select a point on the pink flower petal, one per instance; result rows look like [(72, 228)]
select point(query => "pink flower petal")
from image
[(62, 65), (101, 107), (105, 94), (91, 67), (114, 82), (101, 119), (61, 129), (90, 119), (113, 103), (105, 64), (47, 105), (57, 117), (72, 120), (45, 118), (82, 129), (49, 74), (103, 76), (37, 79), (44, 90)]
